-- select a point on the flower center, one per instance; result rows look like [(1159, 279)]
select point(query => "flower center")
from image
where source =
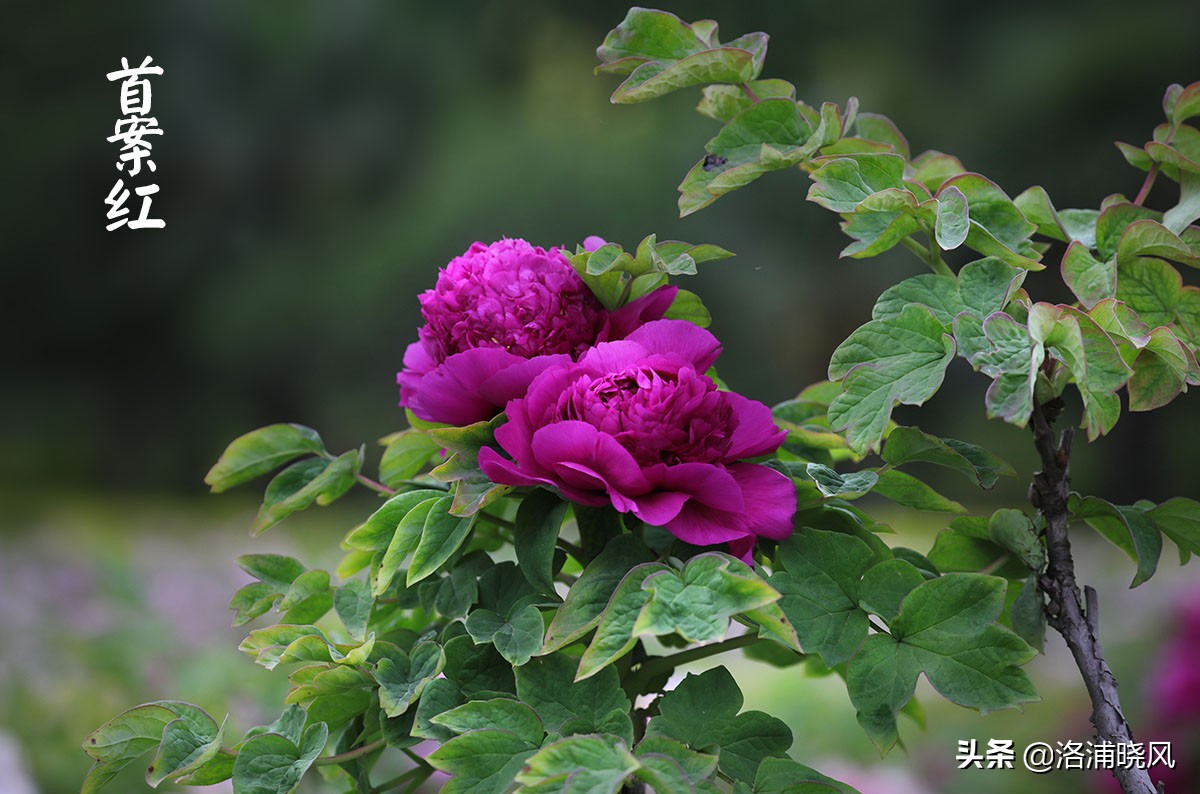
[(658, 416)]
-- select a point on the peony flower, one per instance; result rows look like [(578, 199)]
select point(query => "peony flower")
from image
[(499, 315), (636, 424)]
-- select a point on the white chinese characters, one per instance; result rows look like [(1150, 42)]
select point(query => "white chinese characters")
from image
[(132, 131)]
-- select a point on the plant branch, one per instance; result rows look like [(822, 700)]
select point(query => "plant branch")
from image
[(350, 755), (1144, 193), (1064, 607), (749, 92), (930, 255), (663, 664)]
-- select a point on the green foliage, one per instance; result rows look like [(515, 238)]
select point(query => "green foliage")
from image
[(527, 673)]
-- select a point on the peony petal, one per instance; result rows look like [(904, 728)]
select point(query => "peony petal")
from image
[(513, 380), (505, 472), (592, 242), (578, 442), (679, 338), (705, 483), (770, 499), (756, 432), (701, 525), (659, 508), (608, 357), (627, 319), (743, 548)]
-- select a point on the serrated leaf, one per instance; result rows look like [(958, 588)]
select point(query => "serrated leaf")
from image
[(945, 629), (725, 585), (819, 591), (584, 605), (703, 711), (586, 764), (615, 634), (1013, 530), (271, 764), (547, 683), (496, 714), (481, 762), (1012, 361), (402, 676), (885, 585), (901, 359), (517, 637), (260, 451)]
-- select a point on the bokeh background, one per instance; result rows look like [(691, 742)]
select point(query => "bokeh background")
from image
[(321, 160)]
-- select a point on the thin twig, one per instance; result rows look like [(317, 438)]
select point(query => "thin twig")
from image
[(350, 755), (1064, 607), (662, 664), (749, 92), (375, 486)]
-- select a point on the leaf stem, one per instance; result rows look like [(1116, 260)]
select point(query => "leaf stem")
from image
[(1064, 607), (1144, 193), (350, 755), (930, 255), (749, 92), (661, 664), (375, 486), (570, 548)]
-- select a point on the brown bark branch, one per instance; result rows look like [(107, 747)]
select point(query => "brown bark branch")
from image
[(1065, 611)]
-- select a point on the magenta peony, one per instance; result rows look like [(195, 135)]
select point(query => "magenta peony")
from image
[(636, 424), (499, 315)]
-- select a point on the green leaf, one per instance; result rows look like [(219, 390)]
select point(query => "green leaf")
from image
[(587, 598), (723, 102), (1152, 288), (405, 538), (670, 762), (441, 536), (131, 733), (587, 764), (405, 456), (1029, 615), (1090, 279), (910, 445), (661, 53), (844, 486), (353, 602), (439, 696), (842, 184), (1012, 361), (785, 776), (1187, 210), (723, 584), (898, 360), (906, 490), (539, 520), (271, 764), (481, 762), (402, 676), (1012, 530), (819, 589), (885, 585), (260, 451), (276, 570), (376, 533), (1113, 222), (496, 714), (946, 629), (517, 637), (1150, 238), (932, 169), (688, 306), (477, 669), (1179, 520), (303, 484), (615, 635), (308, 599), (1160, 371), (1130, 529), (703, 711), (953, 218), (547, 683), (188, 743), (997, 227)]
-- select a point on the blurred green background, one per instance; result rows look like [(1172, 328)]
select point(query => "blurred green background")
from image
[(321, 160)]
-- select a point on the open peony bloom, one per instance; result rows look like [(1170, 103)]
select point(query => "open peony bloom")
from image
[(499, 315), (638, 425)]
